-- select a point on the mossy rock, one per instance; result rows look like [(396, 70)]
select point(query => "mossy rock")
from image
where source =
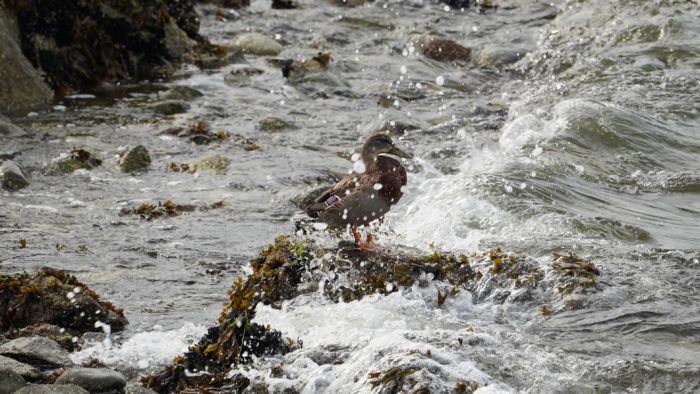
[(77, 159)]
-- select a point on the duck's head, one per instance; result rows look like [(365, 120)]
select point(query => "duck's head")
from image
[(379, 144)]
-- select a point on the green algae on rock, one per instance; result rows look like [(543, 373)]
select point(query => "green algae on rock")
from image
[(54, 297), (77, 159)]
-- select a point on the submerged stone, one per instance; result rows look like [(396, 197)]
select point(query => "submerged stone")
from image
[(258, 44), (9, 129), (272, 124), (135, 159), (170, 107), (37, 351), (215, 163), (181, 92), (94, 380), (12, 176), (440, 49)]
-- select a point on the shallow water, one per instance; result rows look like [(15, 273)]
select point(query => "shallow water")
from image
[(588, 144)]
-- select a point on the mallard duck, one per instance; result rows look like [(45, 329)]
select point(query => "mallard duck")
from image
[(361, 198)]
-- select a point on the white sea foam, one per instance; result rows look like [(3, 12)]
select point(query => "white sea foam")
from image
[(145, 349)]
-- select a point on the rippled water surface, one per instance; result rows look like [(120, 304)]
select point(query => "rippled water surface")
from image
[(574, 128)]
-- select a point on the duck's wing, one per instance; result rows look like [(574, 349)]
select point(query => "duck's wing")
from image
[(332, 195), (362, 205)]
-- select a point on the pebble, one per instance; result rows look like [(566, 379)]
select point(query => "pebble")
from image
[(10, 381), (24, 370), (273, 124), (37, 351), (94, 380), (12, 176)]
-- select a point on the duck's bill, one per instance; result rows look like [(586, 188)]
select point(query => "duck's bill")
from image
[(398, 152)]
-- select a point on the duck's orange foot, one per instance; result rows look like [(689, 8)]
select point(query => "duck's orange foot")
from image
[(367, 245)]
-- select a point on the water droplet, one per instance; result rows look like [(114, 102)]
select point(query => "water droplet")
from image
[(359, 167), (403, 69), (377, 186), (440, 80)]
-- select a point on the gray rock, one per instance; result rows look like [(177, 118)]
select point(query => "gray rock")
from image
[(216, 164), (170, 107), (10, 381), (52, 389), (24, 370), (21, 86), (10, 130), (12, 176), (37, 351), (135, 160), (258, 44), (94, 380)]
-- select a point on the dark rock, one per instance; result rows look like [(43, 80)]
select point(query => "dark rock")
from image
[(24, 370), (12, 176), (440, 49), (285, 4), (38, 351), (54, 297), (170, 107), (8, 129), (51, 389), (77, 159), (273, 124), (22, 87), (10, 381), (94, 380), (135, 159), (229, 3), (81, 43)]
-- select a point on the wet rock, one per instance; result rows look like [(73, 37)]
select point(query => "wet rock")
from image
[(285, 4), (181, 93), (440, 49), (241, 73), (94, 380), (135, 159), (215, 163), (396, 128), (10, 381), (215, 56), (76, 159), (170, 107), (26, 371), (350, 3), (22, 87), (495, 57), (272, 124), (54, 297), (314, 76), (103, 40), (12, 176), (52, 389), (37, 351), (7, 129), (176, 41), (258, 44), (229, 3)]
